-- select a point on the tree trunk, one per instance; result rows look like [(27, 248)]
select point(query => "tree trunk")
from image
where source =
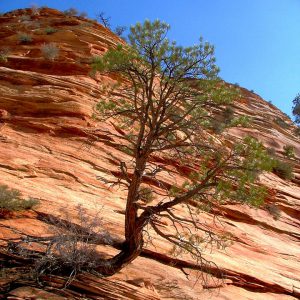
[(133, 245), (132, 248)]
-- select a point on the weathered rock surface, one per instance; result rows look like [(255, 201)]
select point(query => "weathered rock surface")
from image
[(53, 150)]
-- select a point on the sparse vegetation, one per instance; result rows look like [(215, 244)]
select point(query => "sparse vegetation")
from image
[(226, 120), (289, 151), (217, 126), (50, 30), (103, 19), (10, 200), (273, 210), (119, 30), (146, 195), (283, 169), (4, 54), (50, 51), (297, 131), (35, 11), (25, 18), (83, 15), (271, 152), (71, 12), (296, 109), (281, 123), (73, 245), (24, 38)]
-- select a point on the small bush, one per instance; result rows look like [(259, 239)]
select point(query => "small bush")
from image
[(146, 195), (50, 51), (297, 131), (71, 12), (4, 54), (281, 123), (35, 11), (227, 115), (119, 30), (50, 30), (83, 15), (217, 126), (73, 246), (273, 210), (25, 18), (283, 169), (271, 151), (10, 200), (289, 151), (105, 21), (24, 38)]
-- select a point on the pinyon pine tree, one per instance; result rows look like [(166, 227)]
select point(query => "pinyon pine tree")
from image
[(162, 109)]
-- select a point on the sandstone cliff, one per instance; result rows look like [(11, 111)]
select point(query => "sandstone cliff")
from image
[(53, 150)]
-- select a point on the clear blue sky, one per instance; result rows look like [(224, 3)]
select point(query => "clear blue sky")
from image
[(257, 41)]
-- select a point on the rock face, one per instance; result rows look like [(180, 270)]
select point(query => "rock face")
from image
[(53, 150)]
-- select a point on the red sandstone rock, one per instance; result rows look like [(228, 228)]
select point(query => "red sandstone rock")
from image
[(51, 149)]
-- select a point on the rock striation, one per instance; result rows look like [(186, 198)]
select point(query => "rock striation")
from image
[(53, 149)]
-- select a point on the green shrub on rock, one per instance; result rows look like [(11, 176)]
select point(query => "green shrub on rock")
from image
[(10, 200)]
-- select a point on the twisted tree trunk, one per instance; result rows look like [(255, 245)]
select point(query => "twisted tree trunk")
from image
[(133, 244)]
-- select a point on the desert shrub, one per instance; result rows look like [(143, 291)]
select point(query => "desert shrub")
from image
[(103, 19), (289, 151), (35, 11), (217, 126), (228, 115), (71, 12), (25, 18), (283, 169), (73, 246), (146, 194), (83, 14), (50, 51), (273, 210), (10, 200), (119, 30), (281, 123), (50, 30), (271, 151), (297, 131), (4, 54), (24, 38)]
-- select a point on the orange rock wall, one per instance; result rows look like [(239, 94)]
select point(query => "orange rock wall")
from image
[(53, 150)]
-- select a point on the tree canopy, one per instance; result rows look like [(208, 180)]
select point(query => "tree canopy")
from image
[(162, 105), (296, 108)]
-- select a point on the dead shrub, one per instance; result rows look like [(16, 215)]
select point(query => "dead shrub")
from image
[(273, 210), (50, 51), (73, 245)]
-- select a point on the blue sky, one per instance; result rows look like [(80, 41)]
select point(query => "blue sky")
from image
[(257, 41)]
